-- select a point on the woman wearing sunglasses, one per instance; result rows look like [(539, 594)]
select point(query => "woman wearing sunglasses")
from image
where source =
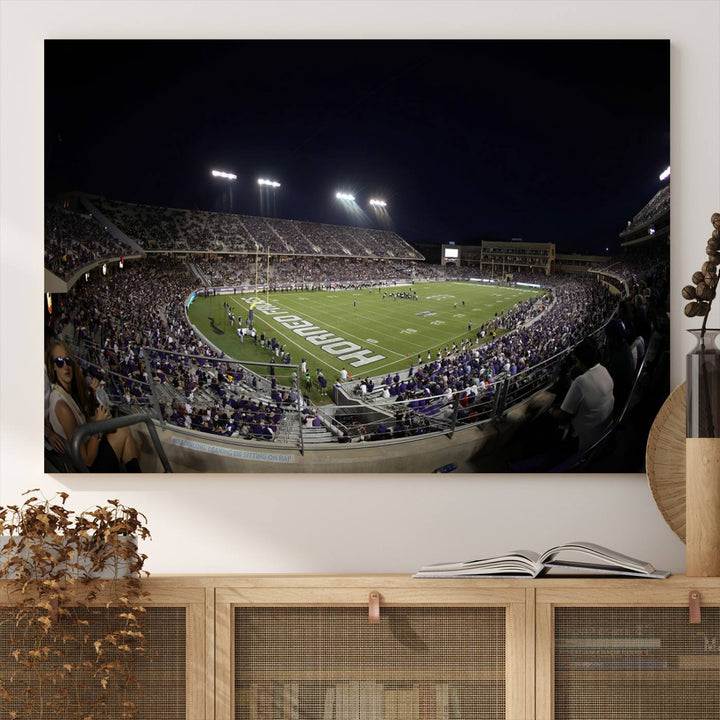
[(73, 403)]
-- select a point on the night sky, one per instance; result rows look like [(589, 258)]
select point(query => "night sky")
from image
[(548, 141)]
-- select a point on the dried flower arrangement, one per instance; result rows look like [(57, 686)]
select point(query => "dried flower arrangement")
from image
[(71, 609), (703, 366), (705, 280)]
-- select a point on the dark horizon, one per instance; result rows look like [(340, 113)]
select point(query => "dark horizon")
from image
[(548, 141)]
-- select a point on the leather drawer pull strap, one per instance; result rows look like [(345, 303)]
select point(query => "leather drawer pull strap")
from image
[(374, 607), (694, 603)]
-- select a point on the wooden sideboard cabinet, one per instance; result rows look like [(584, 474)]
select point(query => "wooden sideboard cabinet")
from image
[(271, 647)]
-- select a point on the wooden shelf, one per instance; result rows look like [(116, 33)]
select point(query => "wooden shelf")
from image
[(635, 675), (379, 677)]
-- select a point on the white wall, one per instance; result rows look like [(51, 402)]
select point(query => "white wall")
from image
[(351, 523)]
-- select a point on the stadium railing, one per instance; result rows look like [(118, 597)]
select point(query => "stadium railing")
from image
[(104, 426)]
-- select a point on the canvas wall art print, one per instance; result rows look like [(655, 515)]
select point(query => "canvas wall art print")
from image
[(355, 256)]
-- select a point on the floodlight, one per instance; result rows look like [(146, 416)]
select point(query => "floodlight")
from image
[(223, 174), (271, 183), (379, 203), (345, 196), (665, 173)]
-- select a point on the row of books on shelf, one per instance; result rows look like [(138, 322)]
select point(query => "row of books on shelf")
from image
[(426, 700), (625, 653), (276, 700), (607, 643)]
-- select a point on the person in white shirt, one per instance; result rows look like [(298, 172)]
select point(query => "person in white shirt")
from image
[(589, 401)]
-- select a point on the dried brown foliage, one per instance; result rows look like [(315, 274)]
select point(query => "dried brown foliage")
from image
[(72, 610)]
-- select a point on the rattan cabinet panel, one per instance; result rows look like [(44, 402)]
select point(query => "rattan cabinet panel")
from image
[(611, 653), (156, 685), (332, 663), (170, 679), (632, 662), (318, 656)]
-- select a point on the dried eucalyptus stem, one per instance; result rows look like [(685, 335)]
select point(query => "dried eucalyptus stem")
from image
[(701, 296), (702, 292)]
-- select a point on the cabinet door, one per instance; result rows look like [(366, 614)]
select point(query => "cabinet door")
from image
[(628, 661), (58, 673), (326, 661)]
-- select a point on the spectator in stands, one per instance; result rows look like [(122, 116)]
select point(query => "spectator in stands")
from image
[(618, 360), (72, 403), (53, 441), (589, 401)]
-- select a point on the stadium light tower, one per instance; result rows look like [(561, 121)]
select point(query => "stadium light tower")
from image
[(263, 183), (356, 214), (223, 174), (230, 177), (380, 212)]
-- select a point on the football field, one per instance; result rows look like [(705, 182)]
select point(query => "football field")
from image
[(368, 332)]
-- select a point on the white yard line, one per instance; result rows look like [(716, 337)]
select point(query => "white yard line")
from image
[(323, 326), (292, 338)]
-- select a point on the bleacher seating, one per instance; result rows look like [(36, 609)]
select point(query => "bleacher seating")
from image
[(74, 240), (157, 228)]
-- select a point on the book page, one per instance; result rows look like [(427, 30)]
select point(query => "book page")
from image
[(585, 552)]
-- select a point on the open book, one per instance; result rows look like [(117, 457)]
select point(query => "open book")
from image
[(575, 558)]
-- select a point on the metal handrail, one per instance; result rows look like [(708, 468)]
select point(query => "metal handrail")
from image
[(99, 426)]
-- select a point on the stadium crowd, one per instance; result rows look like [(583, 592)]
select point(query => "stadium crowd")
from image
[(523, 338), (74, 240), (302, 272), (658, 207), (169, 229), (143, 306), (110, 320)]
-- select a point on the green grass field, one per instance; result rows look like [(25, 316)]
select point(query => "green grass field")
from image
[(368, 332)]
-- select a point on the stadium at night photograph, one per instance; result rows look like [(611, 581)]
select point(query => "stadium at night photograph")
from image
[(355, 256)]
